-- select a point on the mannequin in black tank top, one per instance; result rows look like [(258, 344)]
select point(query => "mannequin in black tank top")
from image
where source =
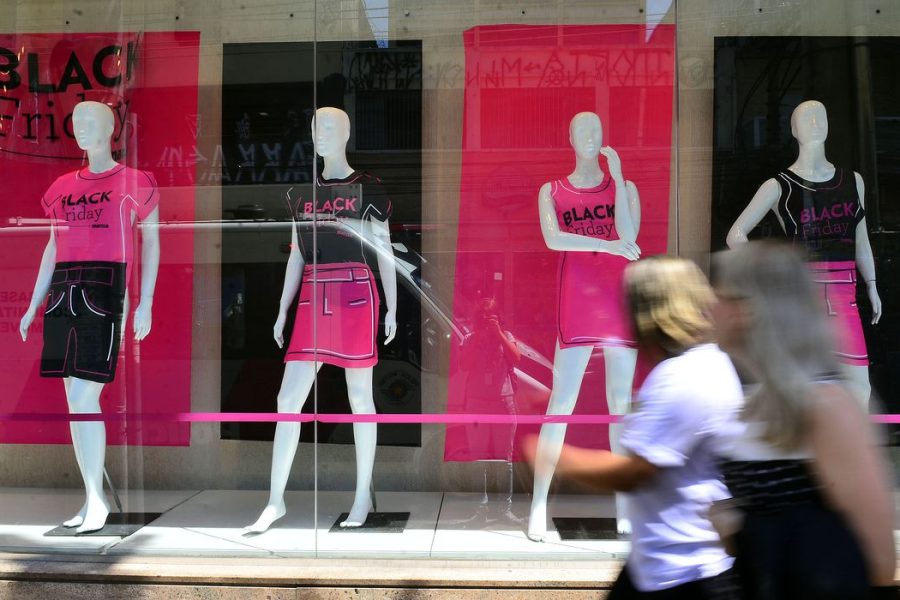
[(821, 207)]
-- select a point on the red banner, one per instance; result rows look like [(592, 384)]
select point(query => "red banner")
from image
[(523, 86), (150, 82)]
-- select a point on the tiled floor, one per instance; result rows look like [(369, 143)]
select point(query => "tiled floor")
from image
[(210, 523)]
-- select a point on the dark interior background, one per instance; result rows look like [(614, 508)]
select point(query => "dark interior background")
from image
[(269, 95)]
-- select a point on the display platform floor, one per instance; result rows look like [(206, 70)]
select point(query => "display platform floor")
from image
[(210, 523)]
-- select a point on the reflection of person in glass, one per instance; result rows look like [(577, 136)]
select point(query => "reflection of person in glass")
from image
[(821, 207), (338, 307), (593, 218), (84, 276), (490, 355)]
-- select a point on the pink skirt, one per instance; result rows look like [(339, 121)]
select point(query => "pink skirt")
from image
[(591, 301), (337, 316), (837, 284)]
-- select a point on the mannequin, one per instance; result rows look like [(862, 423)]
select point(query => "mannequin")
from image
[(597, 241), (822, 207), (84, 276), (346, 201)]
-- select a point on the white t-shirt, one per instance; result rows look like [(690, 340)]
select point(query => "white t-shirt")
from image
[(684, 404)]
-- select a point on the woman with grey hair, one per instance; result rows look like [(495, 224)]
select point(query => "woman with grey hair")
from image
[(807, 478)]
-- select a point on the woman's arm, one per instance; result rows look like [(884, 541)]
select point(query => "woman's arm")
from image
[(143, 314), (387, 270), (853, 475)]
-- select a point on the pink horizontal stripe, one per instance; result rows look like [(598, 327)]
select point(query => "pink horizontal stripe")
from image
[(220, 417)]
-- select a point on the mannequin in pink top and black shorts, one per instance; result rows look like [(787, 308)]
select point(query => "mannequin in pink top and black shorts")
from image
[(593, 219)]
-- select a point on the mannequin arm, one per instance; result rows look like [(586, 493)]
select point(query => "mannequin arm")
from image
[(570, 242), (762, 202), (143, 314), (41, 285), (387, 269), (865, 261), (628, 208), (291, 285)]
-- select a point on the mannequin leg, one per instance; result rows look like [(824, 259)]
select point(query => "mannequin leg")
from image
[(620, 363), (76, 446), (365, 437), (858, 378), (298, 380), (568, 370), (89, 441)]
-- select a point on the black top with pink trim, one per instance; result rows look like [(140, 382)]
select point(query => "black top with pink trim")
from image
[(329, 217), (822, 216)]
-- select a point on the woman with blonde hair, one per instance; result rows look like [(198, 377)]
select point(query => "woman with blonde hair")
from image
[(803, 465), (670, 471)]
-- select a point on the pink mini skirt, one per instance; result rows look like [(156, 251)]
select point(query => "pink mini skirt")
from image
[(337, 316), (837, 285)]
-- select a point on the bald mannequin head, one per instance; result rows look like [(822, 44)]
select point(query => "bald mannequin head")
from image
[(93, 124), (331, 131), (809, 122), (586, 134)]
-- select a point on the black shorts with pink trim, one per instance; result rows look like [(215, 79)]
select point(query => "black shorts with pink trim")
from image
[(83, 321), (337, 316)]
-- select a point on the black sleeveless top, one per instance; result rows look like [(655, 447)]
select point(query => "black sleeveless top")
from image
[(330, 228), (821, 216)]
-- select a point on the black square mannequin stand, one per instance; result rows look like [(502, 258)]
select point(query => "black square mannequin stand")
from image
[(586, 528), (376, 522)]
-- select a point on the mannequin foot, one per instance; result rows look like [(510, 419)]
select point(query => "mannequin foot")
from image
[(359, 512), (537, 525), (269, 515), (77, 519), (95, 516), (623, 526)]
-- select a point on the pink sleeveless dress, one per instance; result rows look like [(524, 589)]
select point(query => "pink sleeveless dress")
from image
[(590, 299)]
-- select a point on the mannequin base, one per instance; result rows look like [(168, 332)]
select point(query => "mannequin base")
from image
[(376, 522), (587, 528), (117, 525)]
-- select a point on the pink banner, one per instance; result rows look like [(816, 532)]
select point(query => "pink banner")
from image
[(523, 86), (150, 81)]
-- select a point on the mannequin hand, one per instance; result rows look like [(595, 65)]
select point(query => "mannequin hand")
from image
[(143, 319), (612, 162), (278, 330), (629, 250), (390, 326), (25, 323), (875, 301)]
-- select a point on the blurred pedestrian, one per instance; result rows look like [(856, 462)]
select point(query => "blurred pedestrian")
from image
[(670, 470), (807, 478)]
